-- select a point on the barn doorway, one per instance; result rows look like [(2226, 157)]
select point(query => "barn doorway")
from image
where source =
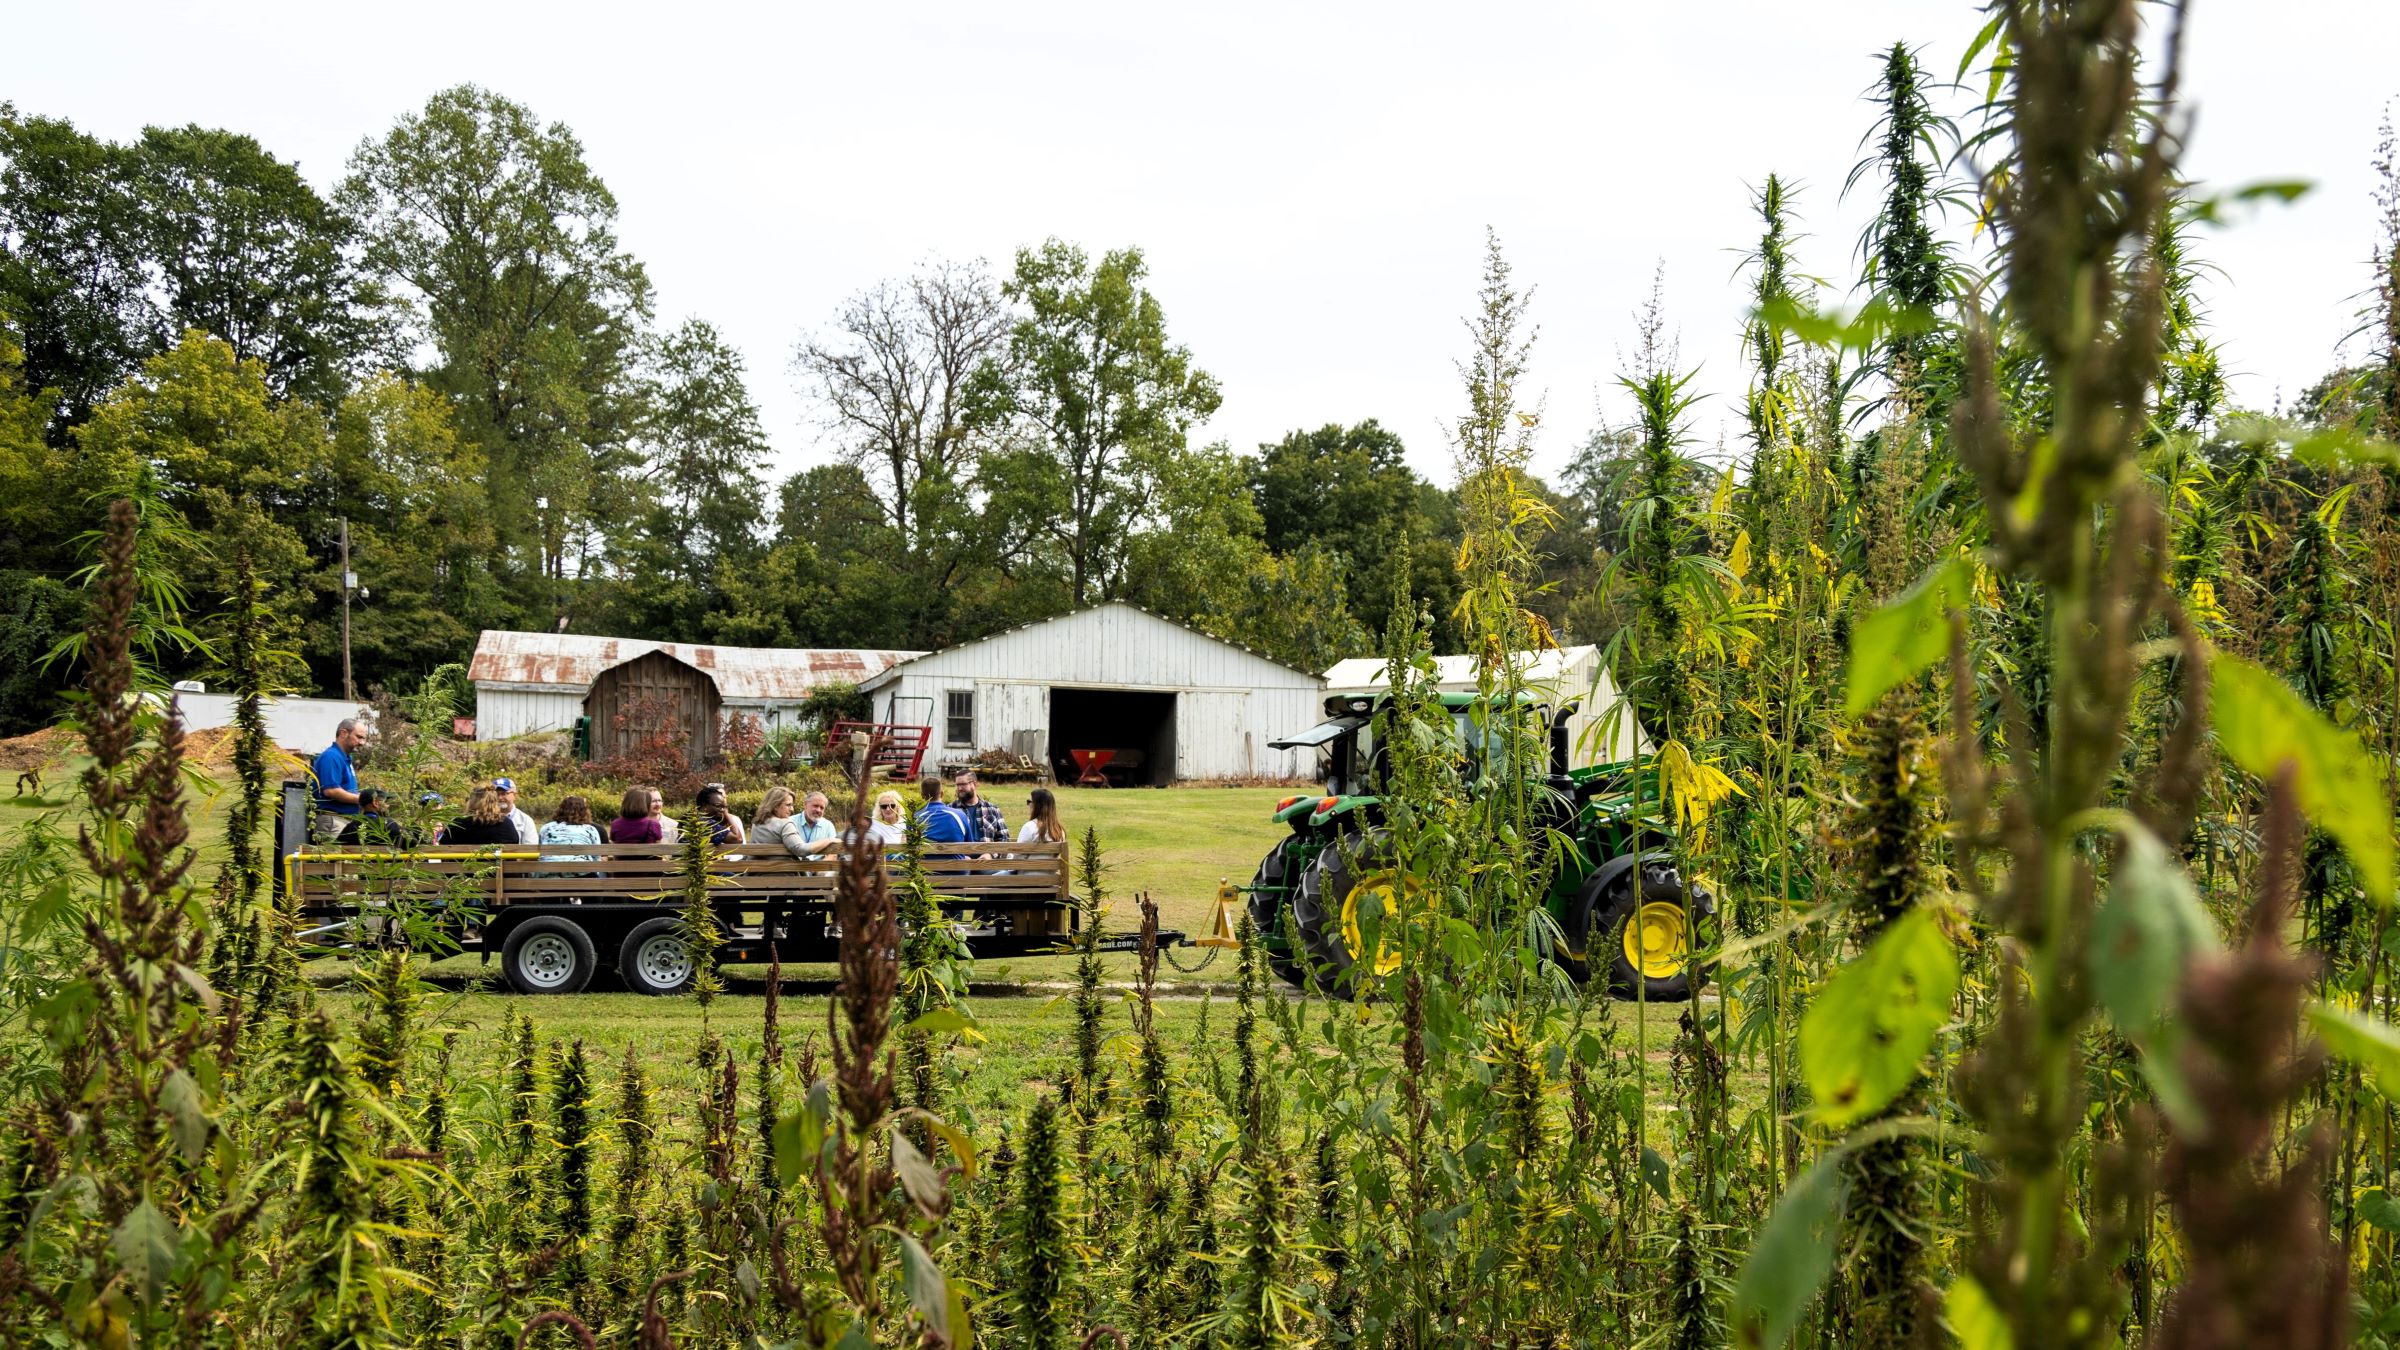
[(1139, 727)]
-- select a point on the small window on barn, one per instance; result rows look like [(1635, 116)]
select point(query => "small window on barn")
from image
[(958, 725)]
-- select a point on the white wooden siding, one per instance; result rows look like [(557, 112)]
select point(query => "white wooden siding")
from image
[(515, 712), (1003, 709)]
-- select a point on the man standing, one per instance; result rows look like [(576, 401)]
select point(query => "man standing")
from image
[(942, 824), (526, 832), (984, 821), (334, 782)]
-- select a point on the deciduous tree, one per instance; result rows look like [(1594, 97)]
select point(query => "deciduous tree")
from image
[(1100, 399), (505, 241)]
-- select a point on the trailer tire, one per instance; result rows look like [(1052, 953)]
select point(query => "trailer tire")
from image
[(655, 959), (548, 954)]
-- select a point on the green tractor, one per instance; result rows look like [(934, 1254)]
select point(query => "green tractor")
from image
[(1617, 896)]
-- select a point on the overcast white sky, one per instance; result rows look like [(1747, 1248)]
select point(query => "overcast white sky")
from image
[(1310, 182)]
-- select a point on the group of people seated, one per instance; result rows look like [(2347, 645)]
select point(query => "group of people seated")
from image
[(345, 813)]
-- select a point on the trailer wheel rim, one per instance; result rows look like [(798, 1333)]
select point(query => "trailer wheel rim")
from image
[(547, 960), (663, 961), (1658, 940)]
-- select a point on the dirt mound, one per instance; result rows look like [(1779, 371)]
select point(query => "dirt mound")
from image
[(212, 749), (37, 751)]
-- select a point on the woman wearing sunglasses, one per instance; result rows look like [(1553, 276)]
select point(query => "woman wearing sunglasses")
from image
[(888, 826), (1041, 820)]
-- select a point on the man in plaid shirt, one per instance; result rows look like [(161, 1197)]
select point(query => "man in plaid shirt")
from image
[(984, 822)]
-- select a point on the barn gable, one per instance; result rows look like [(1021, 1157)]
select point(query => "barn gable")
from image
[(636, 698), (1110, 645)]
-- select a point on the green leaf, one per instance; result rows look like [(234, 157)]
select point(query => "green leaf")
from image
[(2369, 1042), (2263, 726), (800, 1137), (919, 1177), (1975, 1319), (2283, 191), (962, 1327), (960, 1145), (1867, 329), (745, 1278), (2379, 1209), (2145, 933), (1791, 1257), (939, 1022), (1863, 1038), (928, 1291), (1654, 1171), (146, 1244), (187, 1121), (1974, 49), (1904, 637)]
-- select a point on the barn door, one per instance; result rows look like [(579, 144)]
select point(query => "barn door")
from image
[(1212, 735)]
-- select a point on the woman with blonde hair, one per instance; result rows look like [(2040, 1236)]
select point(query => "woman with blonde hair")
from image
[(889, 825), (777, 804), (486, 820)]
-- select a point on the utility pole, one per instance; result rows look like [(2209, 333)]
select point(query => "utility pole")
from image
[(349, 582)]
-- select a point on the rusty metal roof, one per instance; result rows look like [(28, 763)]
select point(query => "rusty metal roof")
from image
[(569, 662)]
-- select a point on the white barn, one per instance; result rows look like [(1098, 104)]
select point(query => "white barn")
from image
[(526, 682), (1169, 701), (1554, 677)]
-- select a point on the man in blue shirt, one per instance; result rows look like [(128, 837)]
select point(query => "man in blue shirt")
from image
[(333, 787), (942, 824)]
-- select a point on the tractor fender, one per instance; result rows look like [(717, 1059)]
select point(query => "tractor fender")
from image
[(1343, 806)]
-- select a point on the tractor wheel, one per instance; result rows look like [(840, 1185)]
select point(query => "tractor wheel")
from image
[(1266, 911), (1351, 871), (1644, 930)]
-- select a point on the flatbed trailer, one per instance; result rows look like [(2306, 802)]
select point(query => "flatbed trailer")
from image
[(559, 915)]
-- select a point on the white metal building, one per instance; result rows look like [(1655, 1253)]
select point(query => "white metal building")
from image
[(292, 723), (1554, 677), (1169, 701), (527, 682)]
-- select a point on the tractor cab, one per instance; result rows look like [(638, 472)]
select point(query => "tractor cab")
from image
[(1486, 731)]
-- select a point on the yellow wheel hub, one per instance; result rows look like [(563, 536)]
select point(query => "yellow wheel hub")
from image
[(1658, 940), (1386, 889)]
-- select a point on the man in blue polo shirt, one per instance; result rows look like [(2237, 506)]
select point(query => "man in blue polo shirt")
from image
[(334, 781)]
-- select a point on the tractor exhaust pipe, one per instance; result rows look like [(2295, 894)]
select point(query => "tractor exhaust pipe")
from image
[(1560, 741)]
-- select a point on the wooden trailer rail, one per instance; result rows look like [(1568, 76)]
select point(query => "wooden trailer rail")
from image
[(965, 876), (560, 914)]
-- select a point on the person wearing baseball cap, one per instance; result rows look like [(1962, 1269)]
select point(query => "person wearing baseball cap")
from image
[(527, 832)]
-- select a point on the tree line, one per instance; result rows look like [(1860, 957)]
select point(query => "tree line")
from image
[(453, 353)]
